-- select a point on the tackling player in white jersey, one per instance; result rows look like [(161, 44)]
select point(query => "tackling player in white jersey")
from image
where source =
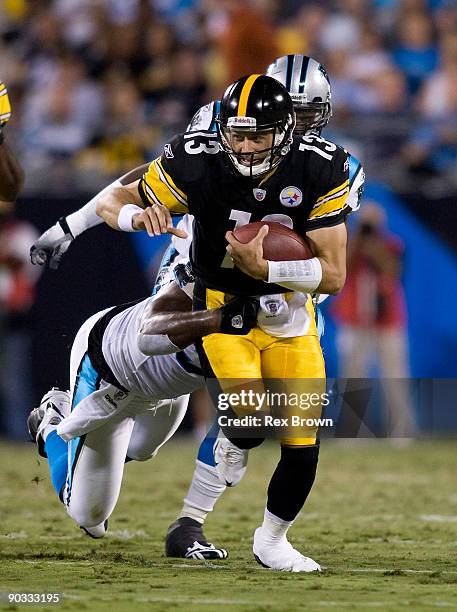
[(118, 407)]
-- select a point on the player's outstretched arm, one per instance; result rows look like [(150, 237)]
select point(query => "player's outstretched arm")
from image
[(123, 209), (11, 173), (169, 325), (52, 245)]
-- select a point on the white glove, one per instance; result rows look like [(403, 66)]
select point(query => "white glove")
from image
[(52, 245)]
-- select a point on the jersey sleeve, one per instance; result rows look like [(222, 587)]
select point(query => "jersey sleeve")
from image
[(356, 183), (331, 204), (164, 182)]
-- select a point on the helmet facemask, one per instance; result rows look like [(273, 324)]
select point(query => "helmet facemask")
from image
[(277, 138), (311, 116)]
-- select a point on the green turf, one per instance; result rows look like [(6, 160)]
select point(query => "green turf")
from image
[(381, 519)]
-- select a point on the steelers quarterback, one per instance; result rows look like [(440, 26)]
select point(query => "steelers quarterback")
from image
[(254, 170)]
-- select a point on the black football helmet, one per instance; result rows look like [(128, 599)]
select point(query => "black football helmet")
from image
[(256, 105)]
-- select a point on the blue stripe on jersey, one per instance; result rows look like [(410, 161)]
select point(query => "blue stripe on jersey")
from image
[(354, 168), (216, 111), (87, 381)]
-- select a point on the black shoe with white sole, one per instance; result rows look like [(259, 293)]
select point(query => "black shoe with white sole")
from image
[(185, 539)]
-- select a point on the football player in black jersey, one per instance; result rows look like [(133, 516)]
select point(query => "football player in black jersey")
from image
[(253, 171)]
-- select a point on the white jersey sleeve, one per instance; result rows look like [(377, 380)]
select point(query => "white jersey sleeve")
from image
[(356, 182)]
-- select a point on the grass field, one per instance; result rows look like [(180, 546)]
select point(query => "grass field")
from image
[(381, 519)]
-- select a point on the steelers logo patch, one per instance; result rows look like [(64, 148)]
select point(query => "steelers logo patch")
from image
[(290, 197)]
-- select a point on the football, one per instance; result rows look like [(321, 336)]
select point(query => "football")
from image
[(280, 244)]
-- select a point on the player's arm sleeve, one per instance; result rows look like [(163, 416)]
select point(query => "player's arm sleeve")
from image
[(356, 183), (205, 118), (331, 205), (161, 183)]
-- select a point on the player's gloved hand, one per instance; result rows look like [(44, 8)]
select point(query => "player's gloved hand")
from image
[(239, 316), (52, 245), (5, 106)]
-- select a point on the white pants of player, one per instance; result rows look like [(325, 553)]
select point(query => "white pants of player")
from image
[(96, 460)]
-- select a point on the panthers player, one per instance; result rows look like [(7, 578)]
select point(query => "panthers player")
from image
[(11, 173), (119, 388), (254, 170)]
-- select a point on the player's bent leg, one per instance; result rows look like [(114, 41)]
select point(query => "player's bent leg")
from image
[(96, 465), (154, 427), (96, 459)]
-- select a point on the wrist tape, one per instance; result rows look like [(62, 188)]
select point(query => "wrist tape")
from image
[(299, 275), (126, 214)]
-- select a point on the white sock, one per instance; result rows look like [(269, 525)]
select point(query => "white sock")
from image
[(204, 491), (274, 528)]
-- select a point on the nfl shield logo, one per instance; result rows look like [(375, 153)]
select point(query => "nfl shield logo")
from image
[(259, 194), (290, 197)]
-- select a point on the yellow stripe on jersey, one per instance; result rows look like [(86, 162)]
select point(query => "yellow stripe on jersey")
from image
[(244, 95), (166, 178), (159, 188), (333, 192), (332, 203)]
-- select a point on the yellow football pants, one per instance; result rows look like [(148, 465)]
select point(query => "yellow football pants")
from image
[(251, 361)]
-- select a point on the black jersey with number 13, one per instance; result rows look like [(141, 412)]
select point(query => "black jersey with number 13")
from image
[(308, 190)]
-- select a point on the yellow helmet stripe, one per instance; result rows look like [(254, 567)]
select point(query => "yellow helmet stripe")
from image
[(244, 96)]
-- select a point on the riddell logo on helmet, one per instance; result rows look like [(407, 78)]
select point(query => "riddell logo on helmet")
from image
[(242, 122)]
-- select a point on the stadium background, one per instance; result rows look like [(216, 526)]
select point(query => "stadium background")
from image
[(98, 86)]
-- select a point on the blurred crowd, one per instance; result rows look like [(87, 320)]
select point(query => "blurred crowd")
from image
[(98, 86)]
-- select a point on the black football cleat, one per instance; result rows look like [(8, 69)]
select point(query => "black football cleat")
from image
[(185, 540)]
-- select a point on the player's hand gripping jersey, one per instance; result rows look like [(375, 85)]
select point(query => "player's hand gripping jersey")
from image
[(307, 191)]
